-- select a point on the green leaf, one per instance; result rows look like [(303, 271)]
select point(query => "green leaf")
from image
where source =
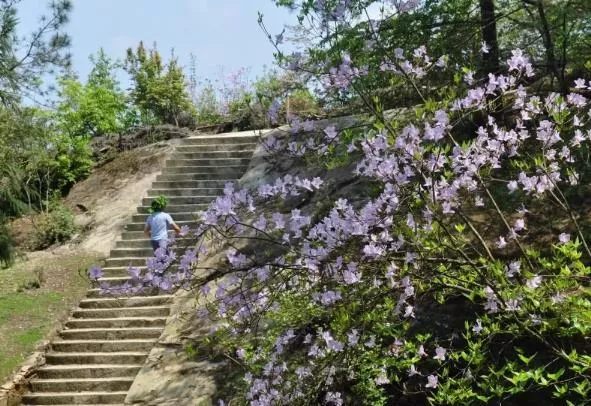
[(525, 359)]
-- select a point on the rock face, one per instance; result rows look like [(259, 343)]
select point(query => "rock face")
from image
[(171, 376), (105, 147)]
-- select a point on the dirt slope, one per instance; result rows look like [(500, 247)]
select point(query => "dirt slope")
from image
[(105, 201)]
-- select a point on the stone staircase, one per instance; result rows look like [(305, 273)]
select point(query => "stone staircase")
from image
[(107, 339)]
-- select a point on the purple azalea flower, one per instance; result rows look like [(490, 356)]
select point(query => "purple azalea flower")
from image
[(563, 238), (431, 381), (134, 272), (95, 272)]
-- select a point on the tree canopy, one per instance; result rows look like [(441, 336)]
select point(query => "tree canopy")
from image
[(160, 90), (97, 107)]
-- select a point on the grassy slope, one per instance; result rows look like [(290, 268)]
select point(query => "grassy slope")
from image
[(35, 296)]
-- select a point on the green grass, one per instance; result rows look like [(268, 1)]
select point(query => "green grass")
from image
[(29, 337), (9, 364), (24, 322), (34, 297), (25, 303)]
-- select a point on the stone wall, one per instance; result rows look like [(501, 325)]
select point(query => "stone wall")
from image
[(16, 385)]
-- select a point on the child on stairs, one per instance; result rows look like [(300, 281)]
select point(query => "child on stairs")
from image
[(157, 223)]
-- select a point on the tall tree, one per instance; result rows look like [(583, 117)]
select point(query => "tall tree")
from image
[(36, 160), (24, 59), (160, 91), (97, 107), (555, 34), (490, 57)]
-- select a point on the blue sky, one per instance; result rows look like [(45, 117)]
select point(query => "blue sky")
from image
[(223, 34)]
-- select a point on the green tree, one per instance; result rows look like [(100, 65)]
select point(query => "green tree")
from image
[(24, 59), (37, 162), (471, 33), (207, 105), (160, 90), (98, 107)]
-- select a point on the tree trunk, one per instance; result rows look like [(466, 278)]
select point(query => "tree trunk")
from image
[(488, 27), (549, 45)]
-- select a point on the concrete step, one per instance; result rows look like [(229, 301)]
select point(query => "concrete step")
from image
[(74, 398), (64, 358), (94, 404), (213, 163), (141, 218), (139, 243), (211, 178), (80, 385), (114, 279), (182, 200), (92, 293), (177, 208), (141, 252), (127, 333), (102, 345), (247, 153), (144, 311), (137, 301), (195, 181), (111, 262), (212, 171), (177, 189), (131, 252), (246, 146), (111, 271), (124, 252), (123, 272), (136, 235), (87, 371), (119, 322), (120, 271), (222, 140)]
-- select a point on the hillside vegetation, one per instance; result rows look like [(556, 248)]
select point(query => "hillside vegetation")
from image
[(434, 254)]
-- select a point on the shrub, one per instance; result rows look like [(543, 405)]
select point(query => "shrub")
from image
[(56, 226), (431, 288)]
